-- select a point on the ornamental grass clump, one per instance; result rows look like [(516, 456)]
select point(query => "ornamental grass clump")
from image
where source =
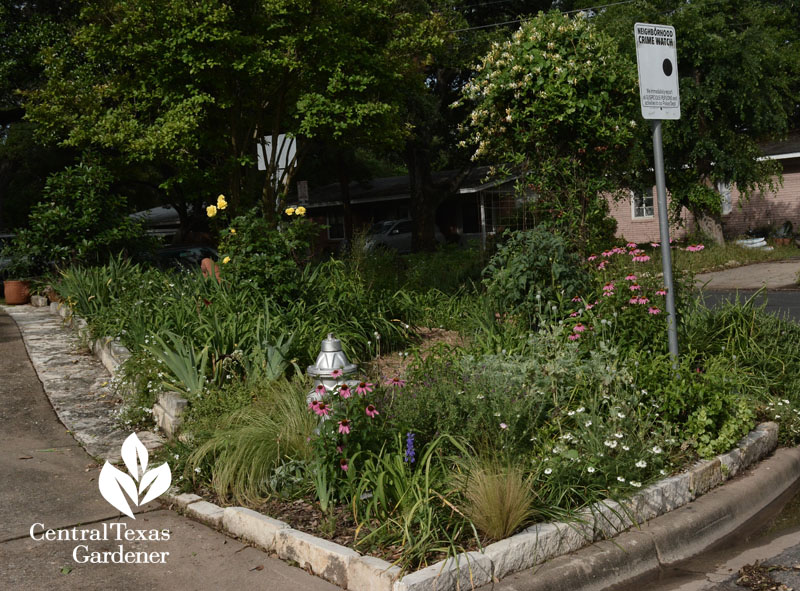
[(498, 497), (239, 457)]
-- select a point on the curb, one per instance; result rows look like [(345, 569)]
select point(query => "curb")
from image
[(668, 539), (658, 540), (689, 528)]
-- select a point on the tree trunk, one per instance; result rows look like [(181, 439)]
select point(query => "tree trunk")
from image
[(344, 188), (710, 226)]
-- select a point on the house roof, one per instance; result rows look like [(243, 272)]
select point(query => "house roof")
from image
[(783, 149), (393, 188)]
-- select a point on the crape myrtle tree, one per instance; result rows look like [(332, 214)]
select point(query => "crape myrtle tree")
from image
[(190, 87), (739, 69), (557, 102)]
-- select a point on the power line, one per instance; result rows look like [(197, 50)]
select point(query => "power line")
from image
[(522, 20)]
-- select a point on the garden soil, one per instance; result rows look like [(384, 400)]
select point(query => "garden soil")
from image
[(49, 482)]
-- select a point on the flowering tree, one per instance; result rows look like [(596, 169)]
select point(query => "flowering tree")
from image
[(558, 102)]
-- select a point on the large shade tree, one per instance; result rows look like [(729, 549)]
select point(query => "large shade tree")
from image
[(739, 74), (192, 87)]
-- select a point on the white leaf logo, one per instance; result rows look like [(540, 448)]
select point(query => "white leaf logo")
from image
[(113, 482)]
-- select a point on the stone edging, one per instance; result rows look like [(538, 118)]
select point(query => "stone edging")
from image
[(347, 568), (541, 542)]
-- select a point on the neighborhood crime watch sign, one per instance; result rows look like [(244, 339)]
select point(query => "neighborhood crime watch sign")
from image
[(657, 57)]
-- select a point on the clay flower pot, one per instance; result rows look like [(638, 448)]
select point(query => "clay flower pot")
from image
[(17, 292)]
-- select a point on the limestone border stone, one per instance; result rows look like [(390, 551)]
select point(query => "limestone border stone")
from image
[(535, 545)]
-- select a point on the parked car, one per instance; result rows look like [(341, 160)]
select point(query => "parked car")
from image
[(183, 257), (395, 234)]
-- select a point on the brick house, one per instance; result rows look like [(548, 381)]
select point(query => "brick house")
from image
[(637, 216)]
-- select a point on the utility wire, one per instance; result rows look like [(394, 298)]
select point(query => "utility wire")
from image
[(522, 20)]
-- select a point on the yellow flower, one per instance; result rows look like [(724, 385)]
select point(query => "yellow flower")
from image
[(233, 230), (300, 210), (289, 211), (211, 211), (226, 260), (221, 203)]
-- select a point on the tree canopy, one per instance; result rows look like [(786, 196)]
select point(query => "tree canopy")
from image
[(557, 103), (193, 86), (739, 69)]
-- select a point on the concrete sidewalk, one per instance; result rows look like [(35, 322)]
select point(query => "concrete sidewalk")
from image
[(773, 275), (49, 479)]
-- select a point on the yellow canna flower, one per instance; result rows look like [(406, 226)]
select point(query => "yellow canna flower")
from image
[(221, 203), (300, 210), (211, 211), (233, 230), (226, 260), (289, 211)]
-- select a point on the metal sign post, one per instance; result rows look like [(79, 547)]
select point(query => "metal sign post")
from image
[(657, 59)]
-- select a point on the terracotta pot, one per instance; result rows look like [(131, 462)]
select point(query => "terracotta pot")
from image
[(783, 241), (209, 268), (17, 292)]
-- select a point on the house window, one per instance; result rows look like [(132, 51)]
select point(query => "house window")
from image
[(642, 204), (724, 190), (335, 227)]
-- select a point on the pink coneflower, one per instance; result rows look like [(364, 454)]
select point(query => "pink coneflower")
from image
[(630, 278), (643, 301), (345, 391), (322, 409), (601, 266), (641, 258), (632, 245), (633, 300), (321, 390), (337, 373), (606, 253), (503, 426), (608, 293), (655, 244), (313, 405), (371, 411), (608, 286), (364, 387), (591, 258), (574, 314), (635, 287), (661, 292), (653, 311), (576, 299), (578, 328), (590, 306), (695, 248), (344, 426), (343, 464), (395, 381), (574, 337)]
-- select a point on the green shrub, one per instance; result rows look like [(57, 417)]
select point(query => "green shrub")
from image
[(271, 258), (531, 267), (80, 220)]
